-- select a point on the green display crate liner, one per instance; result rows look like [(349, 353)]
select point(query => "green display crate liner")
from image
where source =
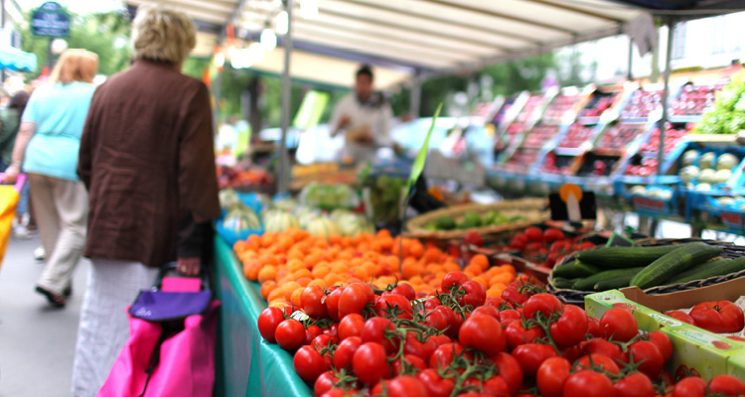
[(247, 365)]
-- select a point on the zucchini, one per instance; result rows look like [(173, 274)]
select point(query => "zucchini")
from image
[(562, 283), (717, 267), (574, 269), (673, 263), (623, 257), (588, 283)]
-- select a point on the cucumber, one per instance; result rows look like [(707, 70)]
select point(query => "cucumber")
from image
[(562, 283), (624, 257), (588, 283), (574, 269), (617, 281), (717, 267), (673, 263)]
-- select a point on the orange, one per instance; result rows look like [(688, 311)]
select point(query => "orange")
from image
[(251, 270), (480, 261), (319, 282), (267, 287), (502, 278), (321, 269), (267, 273), (473, 269), (275, 294)]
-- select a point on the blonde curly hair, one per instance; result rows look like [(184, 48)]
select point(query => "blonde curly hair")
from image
[(163, 35), (75, 64)]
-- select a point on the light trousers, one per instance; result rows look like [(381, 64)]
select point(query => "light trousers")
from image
[(61, 211), (104, 326)]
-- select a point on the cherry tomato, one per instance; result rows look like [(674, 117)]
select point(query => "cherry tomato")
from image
[(345, 351), (269, 319), (551, 376), (351, 325), (593, 361), (588, 383), (718, 316), (635, 385), (680, 316), (405, 290), (444, 354), (311, 300), (369, 363), (475, 295), (570, 328), (324, 342), (496, 386), (455, 320), (690, 387), (508, 316), (517, 335), (437, 320), (311, 333), (487, 310), (414, 363), (324, 383), (512, 295), (618, 324), (483, 333), (332, 304), (435, 384), (406, 386), (375, 329), (387, 301), (353, 299), (603, 347), (648, 356), (309, 364), (440, 339), (593, 327), (509, 369), (726, 385), (541, 303), (532, 355), (453, 279), (290, 334), (431, 303), (662, 341), (418, 348)]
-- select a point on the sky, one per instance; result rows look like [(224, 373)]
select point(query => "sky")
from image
[(78, 6)]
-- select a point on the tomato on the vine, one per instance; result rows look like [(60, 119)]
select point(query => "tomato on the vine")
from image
[(375, 329), (603, 347), (618, 324), (405, 290), (551, 376), (370, 363), (444, 355), (351, 325), (483, 333), (570, 328), (309, 364), (269, 319), (690, 387), (648, 356), (680, 316), (512, 295), (324, 383), (532, 355), (453, 279), (435, 384), (388, 301), (508, 316), (312, 301), (437, 320), (406, 386), (475, 294), (311, 333), (290, 334), (487, 310), (718, 316), (544, 303), (598, 361), (353, 299), (662, 341), (509, 369), (587, 383), (593, 327), (634, 385), (332, 304), (726, 385), (418, 348), (345, 351), (413, 362), (496, 386), (517, 334)]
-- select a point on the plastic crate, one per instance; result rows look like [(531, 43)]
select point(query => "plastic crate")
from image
[(661, 197)]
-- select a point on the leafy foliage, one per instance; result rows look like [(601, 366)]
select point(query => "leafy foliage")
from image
[(728, 114)]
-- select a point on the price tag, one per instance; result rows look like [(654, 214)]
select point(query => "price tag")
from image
[(572, 204)]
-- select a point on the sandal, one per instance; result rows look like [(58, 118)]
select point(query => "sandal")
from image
[(56, 300)]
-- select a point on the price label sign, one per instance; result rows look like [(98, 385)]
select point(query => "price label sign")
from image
[(572, 204)]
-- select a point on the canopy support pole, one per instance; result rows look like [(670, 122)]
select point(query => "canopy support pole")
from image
[(630, 67), (283, 169), (670, 22), (415, 99)]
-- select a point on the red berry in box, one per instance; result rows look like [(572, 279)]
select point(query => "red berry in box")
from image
[(551, 235), (534, 234), (519, 242)]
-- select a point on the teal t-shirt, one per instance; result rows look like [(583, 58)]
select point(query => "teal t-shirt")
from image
[(59, 112)]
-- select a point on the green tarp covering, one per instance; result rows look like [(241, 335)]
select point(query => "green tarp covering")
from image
[(247, 365)]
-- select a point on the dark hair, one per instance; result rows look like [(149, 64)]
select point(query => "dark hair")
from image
[(365, 70)]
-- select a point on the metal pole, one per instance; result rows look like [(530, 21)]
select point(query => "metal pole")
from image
[(286, 93), (665, 93), (630, 69), (415, 99)]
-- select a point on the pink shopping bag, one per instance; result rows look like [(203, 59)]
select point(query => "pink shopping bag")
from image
[(166, 359)]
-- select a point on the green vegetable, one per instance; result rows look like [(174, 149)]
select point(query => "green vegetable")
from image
[(617, 281), (470, 220), (623, 257), (445, 223), (574, 269), (667, 266), (588, 283), (717, 267), (562, 283)]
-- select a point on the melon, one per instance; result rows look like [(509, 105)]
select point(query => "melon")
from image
[(240, 219), (707, 176), (279, 221), (727, 161), (689, 173), (351, 224), (323, 227), (638, 190), (229, 198), (707, 160), (703, 187), (722, 176), (690, 157)]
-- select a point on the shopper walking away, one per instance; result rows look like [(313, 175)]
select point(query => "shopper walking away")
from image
[(46, 147), (147, 160)]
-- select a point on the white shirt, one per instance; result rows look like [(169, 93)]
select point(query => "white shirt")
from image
[(377, 119)]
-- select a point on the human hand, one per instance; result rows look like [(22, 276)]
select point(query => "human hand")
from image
[(189, 266), (344, 122), (11, 174)]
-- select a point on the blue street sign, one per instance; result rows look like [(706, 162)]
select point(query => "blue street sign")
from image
[(50, 20)]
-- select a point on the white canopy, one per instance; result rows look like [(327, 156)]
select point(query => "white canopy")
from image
[(406, 36)]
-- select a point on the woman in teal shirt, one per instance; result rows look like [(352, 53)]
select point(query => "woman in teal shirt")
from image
[(47, 149)]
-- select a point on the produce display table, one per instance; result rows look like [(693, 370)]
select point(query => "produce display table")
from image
[(246, 364)]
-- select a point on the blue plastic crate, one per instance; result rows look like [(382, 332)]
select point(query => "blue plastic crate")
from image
[(663, 195)]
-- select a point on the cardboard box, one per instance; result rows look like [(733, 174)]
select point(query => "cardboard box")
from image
[(707, 353)]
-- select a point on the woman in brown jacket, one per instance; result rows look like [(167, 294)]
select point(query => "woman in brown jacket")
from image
[(146, 158)]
